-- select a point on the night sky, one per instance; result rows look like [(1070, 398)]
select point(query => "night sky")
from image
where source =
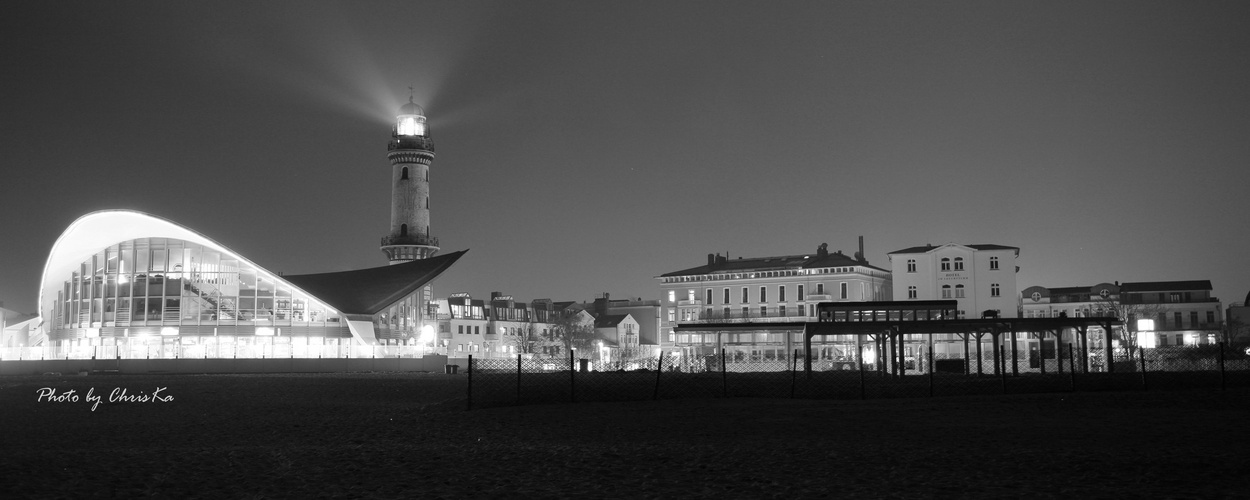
[(587, 147)]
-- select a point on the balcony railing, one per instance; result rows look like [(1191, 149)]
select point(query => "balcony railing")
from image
[(411, 239), (411, 142), (752, 316)]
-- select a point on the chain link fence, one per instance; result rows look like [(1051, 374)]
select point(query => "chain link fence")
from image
[(497, 382)]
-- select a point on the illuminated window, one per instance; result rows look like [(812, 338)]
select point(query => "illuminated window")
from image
[(911, 265), (995, 291), (672, 296), (911, 292), (993, 263), (959, 263)]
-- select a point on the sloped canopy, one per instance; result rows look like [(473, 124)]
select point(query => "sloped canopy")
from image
[(369, 291)]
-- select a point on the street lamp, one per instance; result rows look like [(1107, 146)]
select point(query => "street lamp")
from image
[(427, 336)]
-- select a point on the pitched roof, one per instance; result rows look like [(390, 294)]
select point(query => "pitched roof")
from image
[(369, 291), (740, 264), (981, 246), (1165, 286), (609, 320)]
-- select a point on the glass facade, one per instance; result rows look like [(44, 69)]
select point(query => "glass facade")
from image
[(174, 295)]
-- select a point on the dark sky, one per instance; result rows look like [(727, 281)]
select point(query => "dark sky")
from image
[(586, 147)]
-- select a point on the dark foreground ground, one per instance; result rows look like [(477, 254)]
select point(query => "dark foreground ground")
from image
[(406, 436)]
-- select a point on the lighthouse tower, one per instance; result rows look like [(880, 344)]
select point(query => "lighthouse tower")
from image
[(411, 151)]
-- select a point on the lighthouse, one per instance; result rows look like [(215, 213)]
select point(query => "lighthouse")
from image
[(410, 151)]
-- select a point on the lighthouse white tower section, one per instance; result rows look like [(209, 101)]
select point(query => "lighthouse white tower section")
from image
[(410, 151)]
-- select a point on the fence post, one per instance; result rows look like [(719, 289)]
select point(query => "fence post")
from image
[(659, 368), (1002, 354), (930, 369), (572, 376), (518, 379), (1071, 367), (724, 383), (794, 371), (469, 404), (1222, 386), (862, 394), (1141, 354)]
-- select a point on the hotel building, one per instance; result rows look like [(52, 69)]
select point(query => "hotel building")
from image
[(980, 277), (1181, 312), (762, 290)]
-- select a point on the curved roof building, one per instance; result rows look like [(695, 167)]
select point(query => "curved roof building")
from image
[(131, 280)]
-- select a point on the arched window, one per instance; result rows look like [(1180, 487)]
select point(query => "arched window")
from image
[(946, 264), (403, 230), (946, 291), (404, 174), (959, 291), (959, 263)]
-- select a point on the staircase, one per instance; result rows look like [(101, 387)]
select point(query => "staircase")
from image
[(224, 306)]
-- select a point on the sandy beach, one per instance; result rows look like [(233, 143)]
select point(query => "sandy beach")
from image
[(392, 435)]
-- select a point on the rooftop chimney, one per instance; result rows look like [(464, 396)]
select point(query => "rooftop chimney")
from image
[(822, 250)]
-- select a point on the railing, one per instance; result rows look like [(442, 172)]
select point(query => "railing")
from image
[(752, 316), (411, 142), (411, 239)]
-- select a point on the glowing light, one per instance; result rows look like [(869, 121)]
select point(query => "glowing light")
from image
[(870, 356), (1145, 325), (1146, 339), (427, 334), (169, 331), (410, 125)]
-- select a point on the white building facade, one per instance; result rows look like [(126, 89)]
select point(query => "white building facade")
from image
[(981, 277)]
